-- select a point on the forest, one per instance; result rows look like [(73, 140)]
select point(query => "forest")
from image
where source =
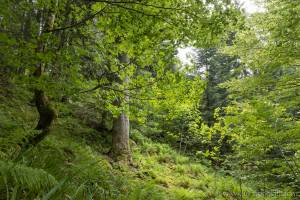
[(97, 104)]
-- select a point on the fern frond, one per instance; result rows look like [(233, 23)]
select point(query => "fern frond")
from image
[(34, 180)]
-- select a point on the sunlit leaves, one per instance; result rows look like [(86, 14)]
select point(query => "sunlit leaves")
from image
[(265, 113)]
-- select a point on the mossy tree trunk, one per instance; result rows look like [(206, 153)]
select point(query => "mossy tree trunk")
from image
[(46, 112)]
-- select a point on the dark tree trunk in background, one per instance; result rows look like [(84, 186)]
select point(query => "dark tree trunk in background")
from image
[(46, 112), (219, 68)]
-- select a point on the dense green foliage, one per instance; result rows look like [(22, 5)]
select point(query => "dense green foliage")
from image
[(265, 115), (72, 163), (95, 104)]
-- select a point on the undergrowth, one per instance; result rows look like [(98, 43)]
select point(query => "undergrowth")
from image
[(73, 163)]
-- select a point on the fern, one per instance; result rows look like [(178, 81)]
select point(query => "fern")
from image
[(34, 181), (147, 192)]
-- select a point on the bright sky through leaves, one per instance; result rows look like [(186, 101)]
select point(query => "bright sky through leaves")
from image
[(186, 54), (251, 6)]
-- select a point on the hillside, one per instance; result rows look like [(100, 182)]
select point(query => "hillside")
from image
[(73, 162)]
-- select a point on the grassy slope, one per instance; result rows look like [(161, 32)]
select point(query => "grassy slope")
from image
[(75, 157)]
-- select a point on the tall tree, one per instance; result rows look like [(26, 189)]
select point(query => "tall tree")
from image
[(46, 111), (215, 68), (121, 125)]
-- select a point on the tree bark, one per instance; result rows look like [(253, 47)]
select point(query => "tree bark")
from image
[(120, 138), (120, 131), (46, 112)]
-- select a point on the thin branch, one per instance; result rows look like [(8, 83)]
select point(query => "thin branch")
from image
[(146, 99), (92, 89), (78, 23), (143, 13), (143, 86), (116, 4), (137, 11), (137, 3)]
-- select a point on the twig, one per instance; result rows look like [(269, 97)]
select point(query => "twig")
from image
[(79, 23)]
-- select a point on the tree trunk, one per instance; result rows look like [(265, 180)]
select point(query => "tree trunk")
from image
[(120, 139), (120, 131), (46, 112)]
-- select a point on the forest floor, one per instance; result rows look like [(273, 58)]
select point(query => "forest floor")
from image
[(76, 155)]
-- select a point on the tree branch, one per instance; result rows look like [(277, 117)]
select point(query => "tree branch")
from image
[(136, 3), (79, 23)]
